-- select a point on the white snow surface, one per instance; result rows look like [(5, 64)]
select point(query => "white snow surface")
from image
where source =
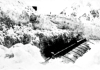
[(28, 57)]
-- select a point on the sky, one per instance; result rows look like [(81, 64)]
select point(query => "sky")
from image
[(47, 6), (56, 6)]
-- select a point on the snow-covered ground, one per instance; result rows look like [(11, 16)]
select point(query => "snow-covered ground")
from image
[(28, 57)]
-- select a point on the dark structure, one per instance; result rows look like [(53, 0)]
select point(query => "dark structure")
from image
[(59, 46), (34, 7)]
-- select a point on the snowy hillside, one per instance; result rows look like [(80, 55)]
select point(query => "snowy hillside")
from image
[(68, 38)]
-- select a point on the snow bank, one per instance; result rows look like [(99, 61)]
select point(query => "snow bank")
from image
[(28, 57), (18, 11)]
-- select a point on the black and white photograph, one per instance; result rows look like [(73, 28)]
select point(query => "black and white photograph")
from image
[(49, 34)]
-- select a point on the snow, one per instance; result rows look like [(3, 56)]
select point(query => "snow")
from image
[(28, 57)]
